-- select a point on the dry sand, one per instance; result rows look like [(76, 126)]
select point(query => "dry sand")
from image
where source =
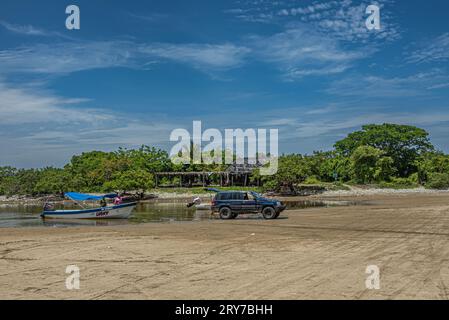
[(317, 253)]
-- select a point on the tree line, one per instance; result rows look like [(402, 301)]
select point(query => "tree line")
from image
[(388, 155)]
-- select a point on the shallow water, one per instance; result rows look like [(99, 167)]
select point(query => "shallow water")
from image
[(16, 216)]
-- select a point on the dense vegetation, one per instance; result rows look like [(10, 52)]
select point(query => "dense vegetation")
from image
[(387, 155)]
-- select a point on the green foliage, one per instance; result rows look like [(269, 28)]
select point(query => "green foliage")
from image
[(312, 180), (96, 171), (431, 162), (368, 164), (438, 181), (385, 169), (132, 179), (389, 155), (400, 183), (292, 169), (52, 180), (404, 144)]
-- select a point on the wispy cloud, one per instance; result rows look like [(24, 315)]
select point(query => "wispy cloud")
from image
[(24, 29), (148, 17), (435, 50), (301, 52), (335, 125), (22, 106), (336, 120), (64, 57), (342, 20), (345, 20), (216, 56), (417, 84), (35, 122), (298, 52), (32, 31)]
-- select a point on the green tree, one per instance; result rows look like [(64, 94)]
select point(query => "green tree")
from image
[(363, 164), (437, 180), (292, 169), (404, 144), (430, 163), (385, 169), (7, 180), (90, 170), (52, 180), (131, 180)]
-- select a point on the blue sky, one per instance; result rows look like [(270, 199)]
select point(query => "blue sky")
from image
[(136, 70)]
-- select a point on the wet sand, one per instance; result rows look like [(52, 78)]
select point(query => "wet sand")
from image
[(316, 253)]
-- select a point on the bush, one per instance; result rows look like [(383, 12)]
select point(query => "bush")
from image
[(438, 181), (338, 185), (312, 180), (400, 183), (270, 185)]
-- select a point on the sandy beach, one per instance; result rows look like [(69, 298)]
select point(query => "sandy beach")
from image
[(316, 253)]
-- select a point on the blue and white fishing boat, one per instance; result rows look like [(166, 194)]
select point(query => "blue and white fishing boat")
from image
[(119, 211)]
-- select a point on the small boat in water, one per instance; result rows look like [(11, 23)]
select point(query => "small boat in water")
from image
[(198, 204), (203, 206), (118, 211)]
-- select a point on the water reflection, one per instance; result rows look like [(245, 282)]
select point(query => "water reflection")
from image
[(146, 212)]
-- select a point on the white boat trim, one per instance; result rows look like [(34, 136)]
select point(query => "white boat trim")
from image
[(121, 211)]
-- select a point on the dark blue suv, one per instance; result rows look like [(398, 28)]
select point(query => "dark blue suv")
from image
[(229, 204)]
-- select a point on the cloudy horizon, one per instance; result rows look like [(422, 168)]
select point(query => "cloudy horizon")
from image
[(308, 68)]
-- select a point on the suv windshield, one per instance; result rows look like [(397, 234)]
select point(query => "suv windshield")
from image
[(256, 195)]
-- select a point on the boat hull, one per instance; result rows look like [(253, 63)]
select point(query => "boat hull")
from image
[(203, 206), (122, 211)]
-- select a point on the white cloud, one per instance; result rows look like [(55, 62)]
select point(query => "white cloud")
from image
[(439, 86), (333, 125), (221, 56), (376, 86), (68, 57), (436, 50), (301, 52), (298, 52), (342, 20), (24, 29), (346, 21), (40, 128), (335, 120), (22, 106)]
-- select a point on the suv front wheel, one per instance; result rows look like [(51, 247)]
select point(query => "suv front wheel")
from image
[(269, 213), (226, 213)]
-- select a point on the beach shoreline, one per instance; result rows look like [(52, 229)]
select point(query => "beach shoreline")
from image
[(187, 196), (313, 253)]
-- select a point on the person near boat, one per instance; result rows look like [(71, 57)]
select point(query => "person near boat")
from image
[(118, 200)]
